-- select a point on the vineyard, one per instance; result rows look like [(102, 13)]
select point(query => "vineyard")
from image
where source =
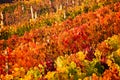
[(60, 40)]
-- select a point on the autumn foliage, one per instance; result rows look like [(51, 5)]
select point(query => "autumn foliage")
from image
[(85, 47)]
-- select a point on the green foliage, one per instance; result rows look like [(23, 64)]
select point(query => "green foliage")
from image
[(48, 22), (44, 10), (90, 67), (35, 73), (114, 42), (9, 9), (117, 59), (100, 68), (20, 31), (94, 67), (4, 35)]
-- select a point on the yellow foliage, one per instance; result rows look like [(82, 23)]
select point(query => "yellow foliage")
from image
[(118, 52), (50, 75), (8, 77), (81, 55), (109, 62)]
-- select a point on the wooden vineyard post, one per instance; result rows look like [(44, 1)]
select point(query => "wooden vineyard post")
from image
[(1, 22), (6, 63), (61, 6), (67, 2), (23, 8), (64, 14), (90, 78), (50, 3), (57, 8), (35, 15), (73, 2), (78, 2), (32, 16)]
